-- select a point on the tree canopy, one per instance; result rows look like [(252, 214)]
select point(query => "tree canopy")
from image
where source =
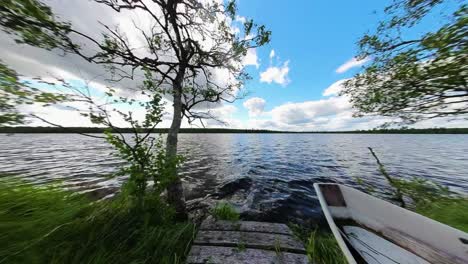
[(15, 93), (413, 79), (190, 47)]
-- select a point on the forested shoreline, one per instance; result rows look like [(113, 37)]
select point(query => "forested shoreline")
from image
[(71, 130)]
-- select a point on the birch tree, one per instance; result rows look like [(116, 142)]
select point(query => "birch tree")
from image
[(188, 45)]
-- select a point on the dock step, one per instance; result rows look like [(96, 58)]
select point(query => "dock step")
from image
[(229, 242)]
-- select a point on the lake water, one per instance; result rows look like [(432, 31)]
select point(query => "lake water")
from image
[(281, 167)]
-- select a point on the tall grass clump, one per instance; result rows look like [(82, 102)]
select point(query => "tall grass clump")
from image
[(321, 246), (224, 211), (435, 201), (50, 225), (452, 212)]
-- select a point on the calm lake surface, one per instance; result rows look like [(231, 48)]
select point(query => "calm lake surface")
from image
[(282, 167)]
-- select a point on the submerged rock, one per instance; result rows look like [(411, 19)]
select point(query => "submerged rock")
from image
[(265, 199), (233, 186)]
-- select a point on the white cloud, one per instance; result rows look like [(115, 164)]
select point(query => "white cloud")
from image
[(223, 117), (335, 88), (251, 58), (235, 30), (240, 19), (272, 54), (308, 111), (275, 74), (226, 111), (354, 62), (255, 105), (84, 16)]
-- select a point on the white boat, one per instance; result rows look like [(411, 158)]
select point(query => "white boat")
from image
[(370, 230)]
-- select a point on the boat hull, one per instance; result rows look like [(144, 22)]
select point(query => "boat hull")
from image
[(427, 240)]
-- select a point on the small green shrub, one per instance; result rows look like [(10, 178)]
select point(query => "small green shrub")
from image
[(224, 211), (241, 246)]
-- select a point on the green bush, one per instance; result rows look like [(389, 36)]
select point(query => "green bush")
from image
[(224, 211), (50, 225)]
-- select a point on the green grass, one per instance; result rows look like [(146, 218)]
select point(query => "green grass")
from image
[(435, 201), (321, 246), (224, 211), (49, 225), (241, 246), (452, 212)]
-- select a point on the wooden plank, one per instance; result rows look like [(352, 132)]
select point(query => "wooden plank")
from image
[(420, 248), (375, 249), (249, 240), (229, 255), (246, 226)]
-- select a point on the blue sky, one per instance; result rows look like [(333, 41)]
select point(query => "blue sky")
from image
[(316, 37)]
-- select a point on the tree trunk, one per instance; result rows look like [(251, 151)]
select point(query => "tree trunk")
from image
[(175, 191)]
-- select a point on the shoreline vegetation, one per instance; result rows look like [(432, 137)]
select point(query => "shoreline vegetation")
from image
[(72, 130), (46, 224)]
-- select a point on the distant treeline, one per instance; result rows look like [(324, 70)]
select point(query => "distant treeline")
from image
[(125, 130), (228, 130)]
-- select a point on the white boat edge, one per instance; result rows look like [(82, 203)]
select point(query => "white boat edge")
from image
[(336, 233), (446, 238)]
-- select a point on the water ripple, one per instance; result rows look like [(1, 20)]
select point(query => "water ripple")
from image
[(283, 167)]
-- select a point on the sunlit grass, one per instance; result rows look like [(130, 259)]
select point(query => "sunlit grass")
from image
[(49, 225), (452, 212), (320, 245), (435, 201), (224, 211)]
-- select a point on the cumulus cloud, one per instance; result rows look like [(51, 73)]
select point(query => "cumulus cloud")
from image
[(251, 58), (275, 74), (335, 88), (353, 62), (255, 105), (84, 16), (223, 117), (308, 111), (226, 111)]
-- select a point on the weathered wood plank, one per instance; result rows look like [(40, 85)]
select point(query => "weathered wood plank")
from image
[(420, 248), (229, 255), (246, 226), (249, 240)]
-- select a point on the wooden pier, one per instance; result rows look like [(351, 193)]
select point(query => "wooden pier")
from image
[(238, 242)]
